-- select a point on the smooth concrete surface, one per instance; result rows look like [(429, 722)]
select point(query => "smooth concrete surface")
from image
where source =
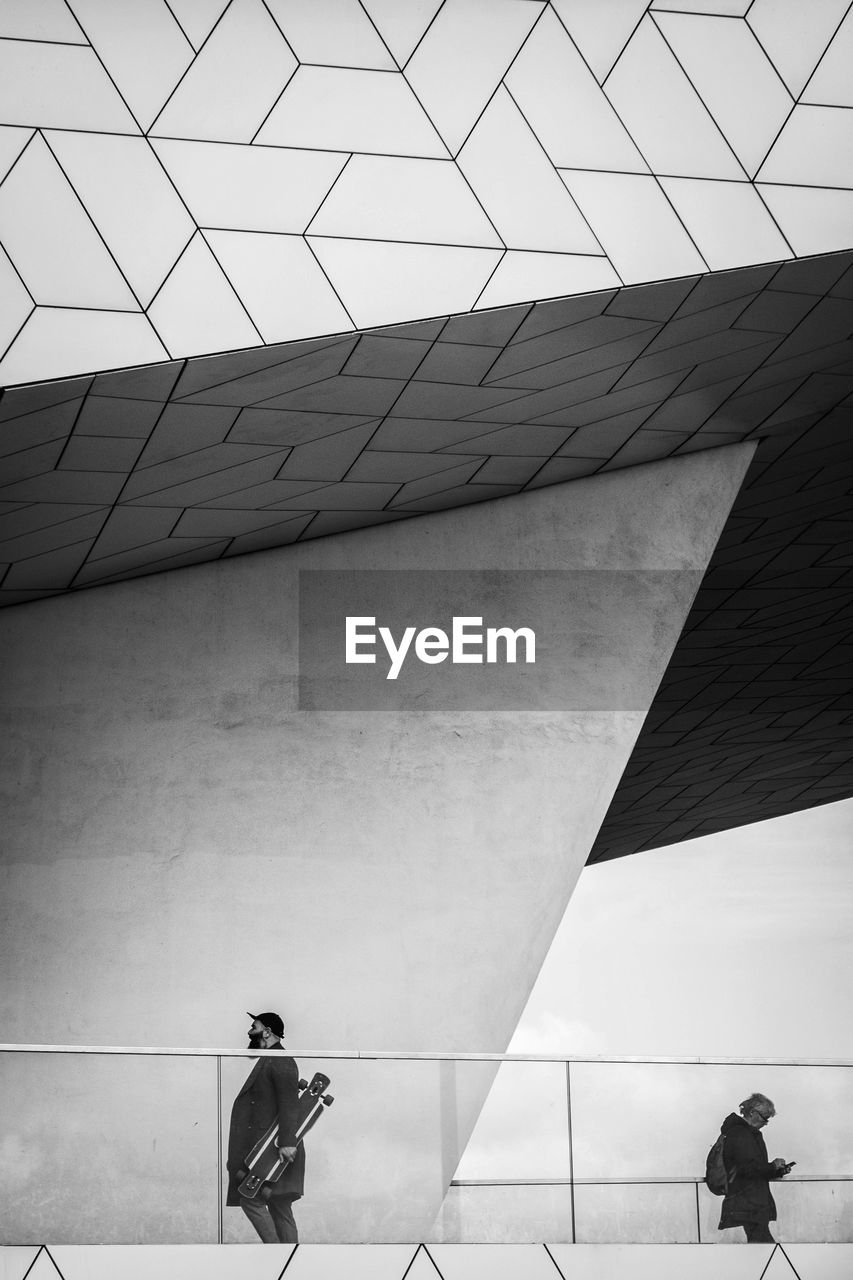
[(427, 1262), (182, 842)]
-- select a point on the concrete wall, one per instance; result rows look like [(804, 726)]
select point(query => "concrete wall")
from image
[(185, 839)]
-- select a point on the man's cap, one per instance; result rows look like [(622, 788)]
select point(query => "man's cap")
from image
[(270, 1020)]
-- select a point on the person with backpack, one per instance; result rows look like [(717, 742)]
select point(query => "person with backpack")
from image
[(738, 1168)]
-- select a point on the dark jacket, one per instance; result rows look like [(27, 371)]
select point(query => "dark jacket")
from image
[(749, 1170), (270, 1093)]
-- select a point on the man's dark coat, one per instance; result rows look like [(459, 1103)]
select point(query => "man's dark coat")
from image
[(744, 1152), (270, 1093)]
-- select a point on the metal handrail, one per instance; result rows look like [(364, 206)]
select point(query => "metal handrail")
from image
[(418, 1056), (619, 1182)]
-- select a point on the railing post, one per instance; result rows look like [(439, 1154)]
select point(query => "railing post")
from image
[(571, 1150), (698, 1216), (219, 1231)]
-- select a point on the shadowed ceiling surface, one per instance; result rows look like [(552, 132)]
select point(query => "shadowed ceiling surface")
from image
[(120, 474), (754, 716)]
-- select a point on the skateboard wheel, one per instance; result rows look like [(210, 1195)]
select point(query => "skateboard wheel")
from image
[(303, 1084), (328, 1100)]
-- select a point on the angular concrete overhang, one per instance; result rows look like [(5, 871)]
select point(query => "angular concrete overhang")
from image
[(140, 470), (133, 472)]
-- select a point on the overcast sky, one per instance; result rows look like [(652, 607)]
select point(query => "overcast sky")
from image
[(738, 945)]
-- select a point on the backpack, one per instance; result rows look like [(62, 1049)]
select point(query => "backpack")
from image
[(717, 1178)]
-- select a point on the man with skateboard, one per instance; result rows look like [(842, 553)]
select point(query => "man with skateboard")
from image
[(270, 1093)]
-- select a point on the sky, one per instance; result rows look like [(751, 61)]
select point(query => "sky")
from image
[(734, 945), (737, 945)]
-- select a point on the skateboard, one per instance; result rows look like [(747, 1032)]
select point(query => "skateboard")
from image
[(263, 1165)]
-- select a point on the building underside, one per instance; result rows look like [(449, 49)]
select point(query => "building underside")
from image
[(753, 717), (128, 473)]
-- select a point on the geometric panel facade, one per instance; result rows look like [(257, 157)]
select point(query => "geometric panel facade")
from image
[(754, 716), (318, 169), (121, 474)]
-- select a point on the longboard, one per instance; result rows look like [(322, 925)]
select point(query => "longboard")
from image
[(263, 1165)]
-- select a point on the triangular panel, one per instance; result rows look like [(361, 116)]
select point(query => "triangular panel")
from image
[(795, 37), (44, 1267), (423, 1267), (197, 304), (198, 18), (779, 1268), (601, 32), (402, 25)]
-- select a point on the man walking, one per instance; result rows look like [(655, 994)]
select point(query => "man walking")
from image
[(270, 1093), (748, 1201)]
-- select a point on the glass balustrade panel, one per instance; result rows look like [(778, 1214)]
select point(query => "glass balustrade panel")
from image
[(108, 1149), (649, 1120)]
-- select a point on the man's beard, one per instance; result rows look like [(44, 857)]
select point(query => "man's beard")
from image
[(255, 1039)]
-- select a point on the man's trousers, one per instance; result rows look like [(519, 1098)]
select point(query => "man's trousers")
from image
[(272, 1219)]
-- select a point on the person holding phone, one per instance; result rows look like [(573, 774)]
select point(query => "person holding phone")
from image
[(749, 1203)]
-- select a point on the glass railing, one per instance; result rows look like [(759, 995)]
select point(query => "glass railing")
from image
[(116, 1145)]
